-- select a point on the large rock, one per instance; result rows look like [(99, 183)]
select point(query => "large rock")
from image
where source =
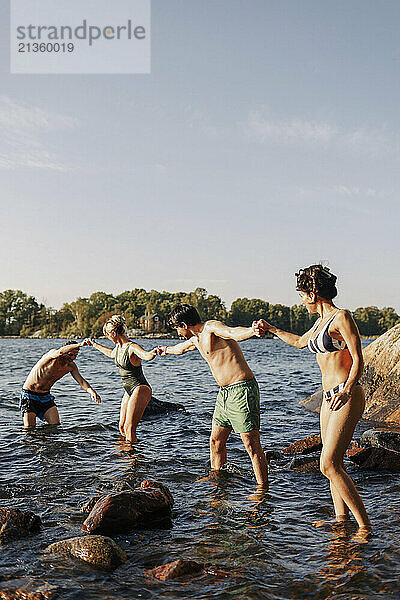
[(97, 550), (15, 524), (383, 438), (144, 507), (159, 407), (311, 443), (375, 459), (177, 568), (381, 377), (381, 380)]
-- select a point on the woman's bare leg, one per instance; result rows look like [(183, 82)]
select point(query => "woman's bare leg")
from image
[(122, 413), (338, 433), (341, 508), (138, 401)]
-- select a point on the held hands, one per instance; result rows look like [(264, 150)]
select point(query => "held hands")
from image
[(260, 327), (87, 342), (160, 350), (338, 400)]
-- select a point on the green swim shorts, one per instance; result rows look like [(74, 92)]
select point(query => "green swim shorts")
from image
[(238, 406)]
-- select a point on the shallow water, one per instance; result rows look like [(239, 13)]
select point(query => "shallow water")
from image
[(261, 546)]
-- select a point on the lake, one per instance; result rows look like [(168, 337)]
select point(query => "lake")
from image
[(261, 546)]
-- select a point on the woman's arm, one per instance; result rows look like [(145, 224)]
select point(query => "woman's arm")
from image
[(346, 327), (298, 341), (103, 349), (140, 352)]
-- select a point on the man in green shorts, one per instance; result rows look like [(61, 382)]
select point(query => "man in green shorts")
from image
[(238, 401)]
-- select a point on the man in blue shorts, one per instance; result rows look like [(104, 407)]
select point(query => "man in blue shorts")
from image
[(35, 399)]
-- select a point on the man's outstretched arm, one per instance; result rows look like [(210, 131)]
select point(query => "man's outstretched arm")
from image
[(239, 334), (177, 349), (85, 385)]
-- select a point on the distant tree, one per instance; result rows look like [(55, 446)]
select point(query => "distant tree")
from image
[(18, 312)]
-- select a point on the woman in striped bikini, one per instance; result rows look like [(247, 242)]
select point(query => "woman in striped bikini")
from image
[(335, 341)]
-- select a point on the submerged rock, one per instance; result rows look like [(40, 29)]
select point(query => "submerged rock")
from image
[(384, 438), (97, 550), (146, 506), (15, 523), (177, 568), (29, 591), (307, 445), (305, 464), (159, 407), (375, 459), (380, 380)]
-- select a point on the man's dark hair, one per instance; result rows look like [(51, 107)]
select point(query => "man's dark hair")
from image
[(183, 313)]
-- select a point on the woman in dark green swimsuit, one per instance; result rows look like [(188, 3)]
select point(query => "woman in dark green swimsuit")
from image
[(128, 357)]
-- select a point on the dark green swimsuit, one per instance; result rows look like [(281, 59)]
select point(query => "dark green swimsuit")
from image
[(131, 376)]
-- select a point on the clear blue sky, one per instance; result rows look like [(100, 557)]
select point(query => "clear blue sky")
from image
[(265, 139)]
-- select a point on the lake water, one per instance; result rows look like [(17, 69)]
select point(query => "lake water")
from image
[(264, 546)]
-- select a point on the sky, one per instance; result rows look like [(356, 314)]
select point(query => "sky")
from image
[(265, 139)]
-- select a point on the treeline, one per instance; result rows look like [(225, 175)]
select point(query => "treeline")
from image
[(21, 315)]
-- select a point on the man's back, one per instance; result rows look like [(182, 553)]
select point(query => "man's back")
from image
[(49, 369)]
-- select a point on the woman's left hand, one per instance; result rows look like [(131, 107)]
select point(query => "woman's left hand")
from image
[(338, 400)]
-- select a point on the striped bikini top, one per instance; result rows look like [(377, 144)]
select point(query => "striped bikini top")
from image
[(323, 342)]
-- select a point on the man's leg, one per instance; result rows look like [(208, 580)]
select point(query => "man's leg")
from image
[(29, 419), (251, 441), (218, 438), (51, 416)]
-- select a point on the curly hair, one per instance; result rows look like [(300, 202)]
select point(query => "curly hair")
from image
[(115, 324), (317, 279)]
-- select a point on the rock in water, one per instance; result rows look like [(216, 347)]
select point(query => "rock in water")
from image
[(15, 523), (159, 407), (305, 464), (307, 445), (380, 380), (143, 507), (175, 569), (383, 438), (375, 459), (21, 590), (97, 550)]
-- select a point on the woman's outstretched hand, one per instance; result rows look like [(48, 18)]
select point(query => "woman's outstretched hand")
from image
[(87, 342)]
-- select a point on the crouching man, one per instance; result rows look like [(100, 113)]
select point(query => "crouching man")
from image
[(35, 399)]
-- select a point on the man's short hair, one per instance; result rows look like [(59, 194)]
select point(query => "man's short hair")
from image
[(184, 314)]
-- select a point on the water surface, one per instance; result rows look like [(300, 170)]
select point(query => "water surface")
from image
[(262, 546)]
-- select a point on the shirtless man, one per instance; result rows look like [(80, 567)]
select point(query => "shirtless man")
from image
[(35, 399), (238, 400)]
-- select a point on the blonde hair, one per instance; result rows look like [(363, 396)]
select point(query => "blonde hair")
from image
[(115, 324)]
